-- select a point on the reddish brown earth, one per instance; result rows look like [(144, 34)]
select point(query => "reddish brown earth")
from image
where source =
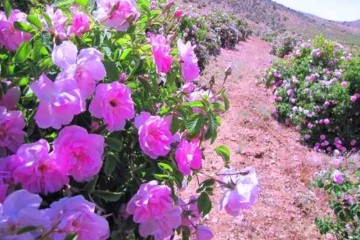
[(286, 207)]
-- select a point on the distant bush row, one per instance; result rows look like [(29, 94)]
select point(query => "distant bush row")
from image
[(212, 32), (317, 89)]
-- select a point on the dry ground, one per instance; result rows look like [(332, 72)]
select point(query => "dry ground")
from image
[(286, 207)]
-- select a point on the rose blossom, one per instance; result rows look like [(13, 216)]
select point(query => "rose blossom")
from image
[(21, 209), (189, 62), (10, 37), (80, 23), (60, 101), (242, 190), (338, 177), (190, 211), (113, 102), (10, 98), (79, 152), (161, 53), (154, 209), (11, 129), (84, 69), (118, 14), (58, 21), (203, 233), (155, 136), (37, 170), (77, 215), (188, 156)]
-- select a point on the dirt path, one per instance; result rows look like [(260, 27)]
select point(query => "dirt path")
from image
[(285, 208)]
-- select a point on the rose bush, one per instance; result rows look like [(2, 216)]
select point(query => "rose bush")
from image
[(102, 122), (340, 185), (317, 89)]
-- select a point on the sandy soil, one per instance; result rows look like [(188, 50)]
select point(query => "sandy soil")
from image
[(286, 206)]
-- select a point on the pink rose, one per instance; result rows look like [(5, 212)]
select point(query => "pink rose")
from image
[(11, 129), (113, 103), (60, 101), (79, 152), (241, 191), (188, 157), (37, 170), (86, 69), (203, 233), (353, 98), (10, 37), (155, 136), (77, 215), (21, 209), (80, 23), (190, 211), (161, 53), (189, 67), (11, 98), (117, 14), (179, 13), (153, 207), (58, 21), (338, 177)]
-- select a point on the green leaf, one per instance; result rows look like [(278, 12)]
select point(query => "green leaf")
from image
[(226, 99), (161, 176), (165, 167), (206, 186), (83, 3), (108, 196), (194, 123), (204, 204), (34, 20), (114, 143), (110, 163), (71, 236), (7, 7), (212, 127), (23, 52), (61, 3), (111, 70), (26, 229), (197, 104), (223, 152), (90, 186), (23, 27), (175, 123)]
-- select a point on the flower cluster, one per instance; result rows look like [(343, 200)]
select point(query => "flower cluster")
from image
[(316, 90), (99, 110)]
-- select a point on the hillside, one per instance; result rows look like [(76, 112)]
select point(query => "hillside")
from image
[(267, 16)]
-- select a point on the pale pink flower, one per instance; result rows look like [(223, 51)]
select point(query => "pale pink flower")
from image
[(11, 98), (188, 156), (21, 209), (60, 101), (242, 190), (338, 177), (155, 136), (353, 98), (188, 88), (117, 14), (344, 84), (77, 215), (203, 233), (80, 23), (38, 171), (326, 121), (190, 211), (79, 152), (153, 207), (189, 63), (58, 21), (86, 69), (11, 129), (161, 53), (113, 102), (10, 37)]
